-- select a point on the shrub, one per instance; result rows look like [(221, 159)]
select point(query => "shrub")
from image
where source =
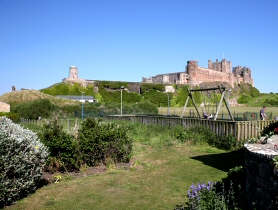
[(157, 98), (34, 109), (145, 107), (99, 141), (22, 158), (13, 116), (62, 147), (270, 129)]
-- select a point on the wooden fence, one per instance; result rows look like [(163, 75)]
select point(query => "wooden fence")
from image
[(69, 125), (241, 130)]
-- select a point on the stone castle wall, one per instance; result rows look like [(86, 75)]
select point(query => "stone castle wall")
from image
[(194, 75)]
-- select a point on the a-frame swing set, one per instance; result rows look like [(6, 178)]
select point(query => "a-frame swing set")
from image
[(222, 90)]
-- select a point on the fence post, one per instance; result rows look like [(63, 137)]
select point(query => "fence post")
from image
[(68, 125)]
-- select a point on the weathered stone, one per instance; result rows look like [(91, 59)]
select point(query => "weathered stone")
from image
[(262, 181)]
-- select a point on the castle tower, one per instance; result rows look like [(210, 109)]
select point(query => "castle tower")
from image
[(210, 64), (224, 66), (73, 72), (192, 71)]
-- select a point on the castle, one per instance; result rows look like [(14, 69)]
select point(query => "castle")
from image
[(194, 75)]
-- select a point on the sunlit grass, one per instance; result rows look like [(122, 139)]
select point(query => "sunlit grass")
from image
[(162, 170), (162, 185)]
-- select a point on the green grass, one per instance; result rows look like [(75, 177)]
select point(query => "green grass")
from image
[(163, 170), (238, 110)]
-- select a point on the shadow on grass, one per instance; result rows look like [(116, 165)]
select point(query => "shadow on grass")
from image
[(224, 161)]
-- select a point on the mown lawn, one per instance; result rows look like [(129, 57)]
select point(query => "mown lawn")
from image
[(159, 180)]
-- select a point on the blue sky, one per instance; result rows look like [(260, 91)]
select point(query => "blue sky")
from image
[(124, 40)]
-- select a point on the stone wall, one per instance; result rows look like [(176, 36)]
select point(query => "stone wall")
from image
[(194, 75), (4, 107), (262, 181)]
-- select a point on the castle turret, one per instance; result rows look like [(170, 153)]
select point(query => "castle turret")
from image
[(210, 64), (224, 66), (73, 72), (192, 71)]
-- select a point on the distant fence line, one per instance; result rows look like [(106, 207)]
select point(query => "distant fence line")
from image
[(69, 125), (241, 130)]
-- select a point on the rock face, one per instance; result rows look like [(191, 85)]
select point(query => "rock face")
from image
[(4, 107), (262, 179)]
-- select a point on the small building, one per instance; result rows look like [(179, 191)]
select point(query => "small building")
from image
[(90, 99)]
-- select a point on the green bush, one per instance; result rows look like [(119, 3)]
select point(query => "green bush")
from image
[(22, 159), (146, 108), (99, 141), (146, 87), (62, 147), (112, 85), (13, 116), (270, 129), (34, 109), (243, 99), (157, 98)]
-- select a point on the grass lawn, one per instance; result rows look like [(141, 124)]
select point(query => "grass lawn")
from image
[(161, 182), (235, 110)]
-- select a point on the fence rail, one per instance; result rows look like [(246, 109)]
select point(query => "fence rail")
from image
[(241, 130)]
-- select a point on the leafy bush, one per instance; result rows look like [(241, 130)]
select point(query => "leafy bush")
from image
[(269, 130), (157, 98), (181, 95), (146, 108), (243, 99), (99, 141), (34, 109), (254, 92), (62, 147), (146, 87), (22, 158), (13, 116), (112, 85)]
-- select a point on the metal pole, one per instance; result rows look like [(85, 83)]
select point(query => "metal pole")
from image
[(122, 99), (82, 105), (168, 104)]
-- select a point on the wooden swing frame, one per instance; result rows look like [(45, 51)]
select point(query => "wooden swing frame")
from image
[(222, 90)]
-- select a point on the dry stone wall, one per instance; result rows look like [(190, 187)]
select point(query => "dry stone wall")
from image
[(262, 179)]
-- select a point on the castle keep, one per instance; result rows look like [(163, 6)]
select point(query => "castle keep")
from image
[(194, 75)]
